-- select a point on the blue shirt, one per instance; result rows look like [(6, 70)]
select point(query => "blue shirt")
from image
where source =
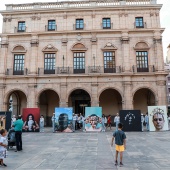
[(18, 125), (119, 137)]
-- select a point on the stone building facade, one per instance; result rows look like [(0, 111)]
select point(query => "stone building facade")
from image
[(82, 53)]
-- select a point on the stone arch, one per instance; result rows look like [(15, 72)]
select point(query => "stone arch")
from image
[(19, 49), (114, 88), (143, 97), (7, 95), (142, 45), (145, 87), (48, 99), (79, 47), (110, 99), (19, 100), (44, 89), (78, 88)]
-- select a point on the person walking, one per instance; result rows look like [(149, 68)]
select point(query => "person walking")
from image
[(147, 121), (74, 122), (18, 125), (42, 123), (120, 142), (142, 121), (103, 123), (13, 119), (117, 120), (109, 123), (3, 146), (53, 122)]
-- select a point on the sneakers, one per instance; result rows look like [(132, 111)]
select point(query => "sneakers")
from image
[(121, 164), (116, 163)]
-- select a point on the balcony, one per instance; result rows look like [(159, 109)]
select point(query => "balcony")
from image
[(109, 26), (16, 72), (149, 68), (140, 25), (50, 27), (20, 29), (79, 27), (86, 70)]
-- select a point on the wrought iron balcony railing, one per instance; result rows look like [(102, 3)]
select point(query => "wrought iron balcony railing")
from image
[(140, 25), (50, 27), (20, 29), (149, 68), (11, 71)]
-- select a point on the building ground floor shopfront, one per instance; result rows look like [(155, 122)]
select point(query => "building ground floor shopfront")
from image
[(112, 93)]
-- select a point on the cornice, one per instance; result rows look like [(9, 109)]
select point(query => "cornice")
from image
[(98, 8)]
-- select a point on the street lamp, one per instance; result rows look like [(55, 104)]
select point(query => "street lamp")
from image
[(94, 60), (63, 61)]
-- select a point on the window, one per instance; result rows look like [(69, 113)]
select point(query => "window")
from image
[(109, 62), (79, 24), (142, 61), (139, 22), (21, 26), (168, 78), (51, 25), (106, 23), (49, 63), (169, 90), (79, 62), (18, 64)]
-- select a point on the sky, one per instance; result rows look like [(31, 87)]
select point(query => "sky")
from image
[(165, 17)]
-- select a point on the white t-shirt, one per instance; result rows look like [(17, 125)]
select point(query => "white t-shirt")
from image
[(2, 148), (105, 120), (117, 119)]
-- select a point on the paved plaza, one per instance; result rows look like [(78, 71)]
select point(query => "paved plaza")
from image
[(90, 151)]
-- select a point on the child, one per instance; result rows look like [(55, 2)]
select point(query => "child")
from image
[(3, 145), (42, 123), (120, 141)]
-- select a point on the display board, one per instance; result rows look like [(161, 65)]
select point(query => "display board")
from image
[(5, 120), (157, 118), (93, 119), (131, 120), (63, 119), (31, 118)]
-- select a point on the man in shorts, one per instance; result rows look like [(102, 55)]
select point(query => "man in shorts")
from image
[(120, 142)]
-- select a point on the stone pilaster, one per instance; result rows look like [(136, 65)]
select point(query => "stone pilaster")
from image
[(31, 102), (127, 102), (3, 56), (63, 93), (125, 52), (158, 51), (94, 94), (3, 106), (33, 58)]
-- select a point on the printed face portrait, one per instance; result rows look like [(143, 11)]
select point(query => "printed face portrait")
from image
[(158, 121)]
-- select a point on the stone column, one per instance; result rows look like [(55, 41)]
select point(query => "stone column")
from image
[(33, 58), (125, 52), (2, 102), (31, 102), (161, 89), (127, 102), (94, 94), (63, 93)]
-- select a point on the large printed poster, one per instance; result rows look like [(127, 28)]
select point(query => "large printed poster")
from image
[(31, 117), (63, 119), (93, 119), (131, 120), (157, 118), (5, 120)]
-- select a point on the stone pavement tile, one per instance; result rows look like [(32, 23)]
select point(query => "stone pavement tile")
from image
[(162, 163), (89, 153), (47, 166)]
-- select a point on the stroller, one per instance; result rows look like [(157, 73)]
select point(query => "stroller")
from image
[(11, 139)]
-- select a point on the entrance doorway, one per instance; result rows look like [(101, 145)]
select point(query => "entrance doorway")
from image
[(79, 99)]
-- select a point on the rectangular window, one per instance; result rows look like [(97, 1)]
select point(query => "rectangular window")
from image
[(142, 61), (109, 62), (51, 25), (18, 64), (79, 62), (79, 24), (106, 23), (169, 90), (139, 22), (21, 26), (49, 63)]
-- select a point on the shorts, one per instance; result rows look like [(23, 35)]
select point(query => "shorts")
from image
[(120, 148)]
